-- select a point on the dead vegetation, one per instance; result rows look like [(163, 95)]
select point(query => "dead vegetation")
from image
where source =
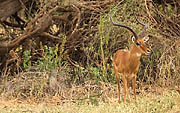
[(74, 21), (85, 41)]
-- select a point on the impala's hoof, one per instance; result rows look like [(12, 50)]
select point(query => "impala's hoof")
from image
[(119, 101)]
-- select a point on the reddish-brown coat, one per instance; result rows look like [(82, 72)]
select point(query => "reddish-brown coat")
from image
[(127, 64)]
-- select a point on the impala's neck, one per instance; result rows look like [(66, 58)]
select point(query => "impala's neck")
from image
[(134, 53), (134, 58)]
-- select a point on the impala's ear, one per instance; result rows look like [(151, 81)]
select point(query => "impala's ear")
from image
[(133, 39), (146, 38)]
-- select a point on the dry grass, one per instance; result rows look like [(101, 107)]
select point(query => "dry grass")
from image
[(154, 100)]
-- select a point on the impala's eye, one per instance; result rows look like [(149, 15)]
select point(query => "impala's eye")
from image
[(137, 44)]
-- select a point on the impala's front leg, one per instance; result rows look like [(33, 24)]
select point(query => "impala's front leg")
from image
[(134, 86), (128, 84)]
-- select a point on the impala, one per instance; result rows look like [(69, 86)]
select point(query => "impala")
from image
[(126, 62)]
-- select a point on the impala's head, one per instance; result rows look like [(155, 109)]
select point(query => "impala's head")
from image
[(140, 46), (139, 43)]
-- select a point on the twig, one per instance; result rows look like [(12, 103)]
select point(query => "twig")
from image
[(148, 12), (78, 21)]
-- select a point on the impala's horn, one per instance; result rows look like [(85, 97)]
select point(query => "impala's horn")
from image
[(142, 33), (122, 25)]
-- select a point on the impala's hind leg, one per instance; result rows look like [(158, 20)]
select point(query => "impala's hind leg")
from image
[(125, 86), (118, 82)]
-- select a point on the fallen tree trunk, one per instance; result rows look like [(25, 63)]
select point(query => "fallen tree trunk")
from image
[(10, 7)]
